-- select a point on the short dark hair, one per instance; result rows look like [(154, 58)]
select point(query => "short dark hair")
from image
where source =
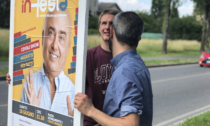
[(107, 11), (128, 28)]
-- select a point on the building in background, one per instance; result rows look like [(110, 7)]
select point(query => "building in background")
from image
[(96, 8), (104, 6), (93, 7)]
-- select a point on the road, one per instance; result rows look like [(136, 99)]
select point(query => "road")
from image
[(3, 103), (179, 92), (170, 57)]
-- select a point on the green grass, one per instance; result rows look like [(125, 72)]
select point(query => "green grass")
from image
[(3, 71), (4, 59), (164, 62), (152, 47), (4, 43), (200, 120), (146, 47)]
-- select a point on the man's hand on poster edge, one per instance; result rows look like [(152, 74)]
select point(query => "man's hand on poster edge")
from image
[(8, 79), (85, 106), (31, 93)]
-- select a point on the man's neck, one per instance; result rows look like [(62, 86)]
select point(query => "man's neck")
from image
[(118, 48), (105, 46), (51, 75)]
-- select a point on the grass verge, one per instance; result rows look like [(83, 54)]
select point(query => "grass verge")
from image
[(3, 71), (4, 43), (165, 62), (4, 59), (146, 48), (200, 120), (152, 47)]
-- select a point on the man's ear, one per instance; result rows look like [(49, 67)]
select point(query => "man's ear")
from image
[(111, 32)]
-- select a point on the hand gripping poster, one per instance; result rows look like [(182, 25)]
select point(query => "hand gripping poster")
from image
[(44, 62)]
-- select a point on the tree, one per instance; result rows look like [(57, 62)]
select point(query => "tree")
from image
[(150, 24), (166, 21), (174, 10), (166, 24), (161, 10), (157, 8), (203, 7), (5, 13), (93, 22), (187, 28)]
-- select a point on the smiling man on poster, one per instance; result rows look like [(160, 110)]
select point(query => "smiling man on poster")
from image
[(50, 88), (128, 100)]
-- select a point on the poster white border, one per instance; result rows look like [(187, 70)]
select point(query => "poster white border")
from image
[(81, 55), (80, 62), (11, 51)]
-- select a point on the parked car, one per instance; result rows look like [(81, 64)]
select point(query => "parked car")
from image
[(205, 58)]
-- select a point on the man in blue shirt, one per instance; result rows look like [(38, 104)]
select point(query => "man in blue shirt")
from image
[(128, 100)]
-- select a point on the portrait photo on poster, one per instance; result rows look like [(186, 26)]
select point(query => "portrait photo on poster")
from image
[(43, 65)]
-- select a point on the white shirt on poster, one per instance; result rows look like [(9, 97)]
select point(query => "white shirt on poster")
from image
[(64, 87)]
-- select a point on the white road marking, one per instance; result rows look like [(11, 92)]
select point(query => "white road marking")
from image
[(180, 78), (184, 116), (4, 105), (172, 67)]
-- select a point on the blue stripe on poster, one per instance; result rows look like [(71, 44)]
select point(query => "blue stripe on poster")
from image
[(73, 64), (76, 16), (18, 78), (75, 40), (19, 38), (24, 57)]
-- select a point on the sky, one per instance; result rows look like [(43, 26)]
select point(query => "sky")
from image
[(144, 5)]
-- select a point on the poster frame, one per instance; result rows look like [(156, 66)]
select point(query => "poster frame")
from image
[(11, 52), (80, 63), (81, 55)]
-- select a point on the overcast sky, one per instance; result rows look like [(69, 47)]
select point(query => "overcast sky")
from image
[(144, 5)]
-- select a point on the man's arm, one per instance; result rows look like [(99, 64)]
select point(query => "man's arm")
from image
[(85, 106)]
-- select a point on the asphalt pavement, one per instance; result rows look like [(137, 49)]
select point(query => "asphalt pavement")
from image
[(4, 65), (170, 57), (179, 92), (3, 103)]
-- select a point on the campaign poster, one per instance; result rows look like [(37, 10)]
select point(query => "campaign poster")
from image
[(44, 62)]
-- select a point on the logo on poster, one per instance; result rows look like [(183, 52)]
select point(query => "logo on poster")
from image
[(42, 5)]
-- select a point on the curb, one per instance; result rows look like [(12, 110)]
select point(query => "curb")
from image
[(2, 78), (153, 66)]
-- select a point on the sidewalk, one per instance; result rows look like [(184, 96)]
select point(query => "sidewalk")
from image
[(170, 57), (6, 64)]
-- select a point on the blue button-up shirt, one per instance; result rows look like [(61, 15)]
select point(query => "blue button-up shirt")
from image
[(129, 90), (64, 87)]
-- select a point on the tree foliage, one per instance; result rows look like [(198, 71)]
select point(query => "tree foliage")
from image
[(157, 9), (5, 13), (163, 11), (93, 22), (203, 8), (150, 24), (174, 10), (185, 28)]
